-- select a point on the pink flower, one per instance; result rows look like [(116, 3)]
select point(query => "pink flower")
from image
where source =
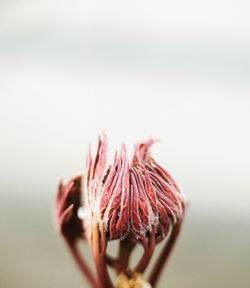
[(135, 203), (131, 200)]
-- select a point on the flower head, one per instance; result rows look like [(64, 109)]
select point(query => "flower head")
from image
[(131, 200), (134, 203)]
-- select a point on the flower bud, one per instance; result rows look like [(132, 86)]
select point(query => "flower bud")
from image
[(135, 200), (134, 203), (68, 201)]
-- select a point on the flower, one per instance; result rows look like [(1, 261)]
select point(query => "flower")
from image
[(131, 200), (134, 203)]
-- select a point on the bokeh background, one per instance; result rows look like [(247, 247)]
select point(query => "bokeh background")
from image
[(176, 70)]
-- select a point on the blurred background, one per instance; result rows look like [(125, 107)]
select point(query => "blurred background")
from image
[(176, 70)]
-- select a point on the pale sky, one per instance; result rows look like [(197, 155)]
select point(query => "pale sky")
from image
[(178, 71)]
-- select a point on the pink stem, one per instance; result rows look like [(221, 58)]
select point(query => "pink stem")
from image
[(101, 268), (161, 261), (126, 247), (121, 262), (99, 259), (112, 262), (148, 252), (81, 263)]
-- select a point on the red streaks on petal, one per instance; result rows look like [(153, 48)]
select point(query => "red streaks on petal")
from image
[(150, 191), (114, 203), (123, 221), (108, 187), (144, 208), (134, 212), (132, 199)]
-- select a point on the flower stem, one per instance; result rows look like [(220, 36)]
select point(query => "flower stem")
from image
[(148, 252), (161, 261), (99, 259), (81, 263), (126, 247)]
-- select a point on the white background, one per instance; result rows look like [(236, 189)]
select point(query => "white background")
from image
[(178, 71)]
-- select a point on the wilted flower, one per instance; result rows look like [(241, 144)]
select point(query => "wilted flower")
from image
[(137, 203)]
